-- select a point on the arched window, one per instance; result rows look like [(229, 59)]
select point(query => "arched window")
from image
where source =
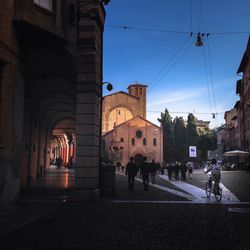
[(121, 140), (154, 142), (140, 91), (136, 91), (144, 141), (133, 141)]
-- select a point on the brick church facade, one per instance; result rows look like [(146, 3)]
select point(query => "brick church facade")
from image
[(126, 130)]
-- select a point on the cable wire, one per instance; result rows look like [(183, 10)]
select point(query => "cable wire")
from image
[(208, 90), (185, 112), (175, 31), (146, 29), (170, 60), (200, 17), (176, 61), (191, 15), (211, 73)]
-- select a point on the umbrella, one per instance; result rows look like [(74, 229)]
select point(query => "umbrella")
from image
[(236, 153)]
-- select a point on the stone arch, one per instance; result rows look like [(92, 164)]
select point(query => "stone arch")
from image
[(118, 115), (119, 100)]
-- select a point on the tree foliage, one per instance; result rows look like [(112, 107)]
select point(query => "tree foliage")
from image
[(180, 147), (191, 131), (207, 141), (177, 138), (168, 137)]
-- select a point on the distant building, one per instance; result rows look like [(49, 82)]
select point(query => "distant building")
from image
[(201, 125), (232, 128), (222, 143), (243, 89), (125, 129)]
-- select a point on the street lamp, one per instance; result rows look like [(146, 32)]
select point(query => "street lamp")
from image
[(109, 88)]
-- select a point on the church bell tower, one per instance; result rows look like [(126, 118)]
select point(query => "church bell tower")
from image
[(140, 91)]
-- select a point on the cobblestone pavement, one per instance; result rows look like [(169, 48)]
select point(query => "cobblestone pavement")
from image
[(129, 220), (134, 226), (238, 182), (235, 186)]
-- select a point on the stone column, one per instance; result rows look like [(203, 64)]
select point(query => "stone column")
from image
[(89, 79)]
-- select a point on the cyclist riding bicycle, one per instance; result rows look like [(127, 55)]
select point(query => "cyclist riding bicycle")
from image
[(213, 172)]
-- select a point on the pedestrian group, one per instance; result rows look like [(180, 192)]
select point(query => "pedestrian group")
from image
[(147, 171)]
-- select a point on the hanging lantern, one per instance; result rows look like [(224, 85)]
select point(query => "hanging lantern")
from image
[(199, 42)]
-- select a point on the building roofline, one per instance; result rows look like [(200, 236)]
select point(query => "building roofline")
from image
[(137, 85), (245, 57), (130, 121), (122, 92)]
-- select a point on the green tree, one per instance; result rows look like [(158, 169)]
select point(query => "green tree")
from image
[(168, 137), (191, 132), (180, 147), (207, 141)]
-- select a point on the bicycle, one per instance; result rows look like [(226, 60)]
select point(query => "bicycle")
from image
[(215, 187)]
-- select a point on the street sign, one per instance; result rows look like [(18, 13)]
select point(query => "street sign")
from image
[(192, 151)]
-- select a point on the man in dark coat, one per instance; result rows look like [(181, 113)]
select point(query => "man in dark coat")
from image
[(176, 170), (145, 171), (131, 171), (170, 170), (183, 168), (153, 170)]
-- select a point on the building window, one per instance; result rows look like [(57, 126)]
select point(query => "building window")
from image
[(144, 141), (47, 4), (121, 140), (138, 134), (140, 91), (154, 142), (133, 141)]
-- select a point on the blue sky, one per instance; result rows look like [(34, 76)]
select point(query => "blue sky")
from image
[(197, 79)]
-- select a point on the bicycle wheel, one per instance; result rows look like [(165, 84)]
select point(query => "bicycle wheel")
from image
[(208, 190)]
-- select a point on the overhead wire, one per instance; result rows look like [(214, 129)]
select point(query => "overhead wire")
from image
[(206, 76), (191, 15), (176, 61), (174, 31), (211, 73), (184, 112), (200, 17), (146, 29), (170, 60)]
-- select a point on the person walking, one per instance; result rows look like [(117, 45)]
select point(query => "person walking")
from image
[(170, 170), (131, 171), (59, 162), (145, 171), (176, 170), (122, 166), (190, 169), (153, 170), (183, 168), (118, 165), (162, 168)]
